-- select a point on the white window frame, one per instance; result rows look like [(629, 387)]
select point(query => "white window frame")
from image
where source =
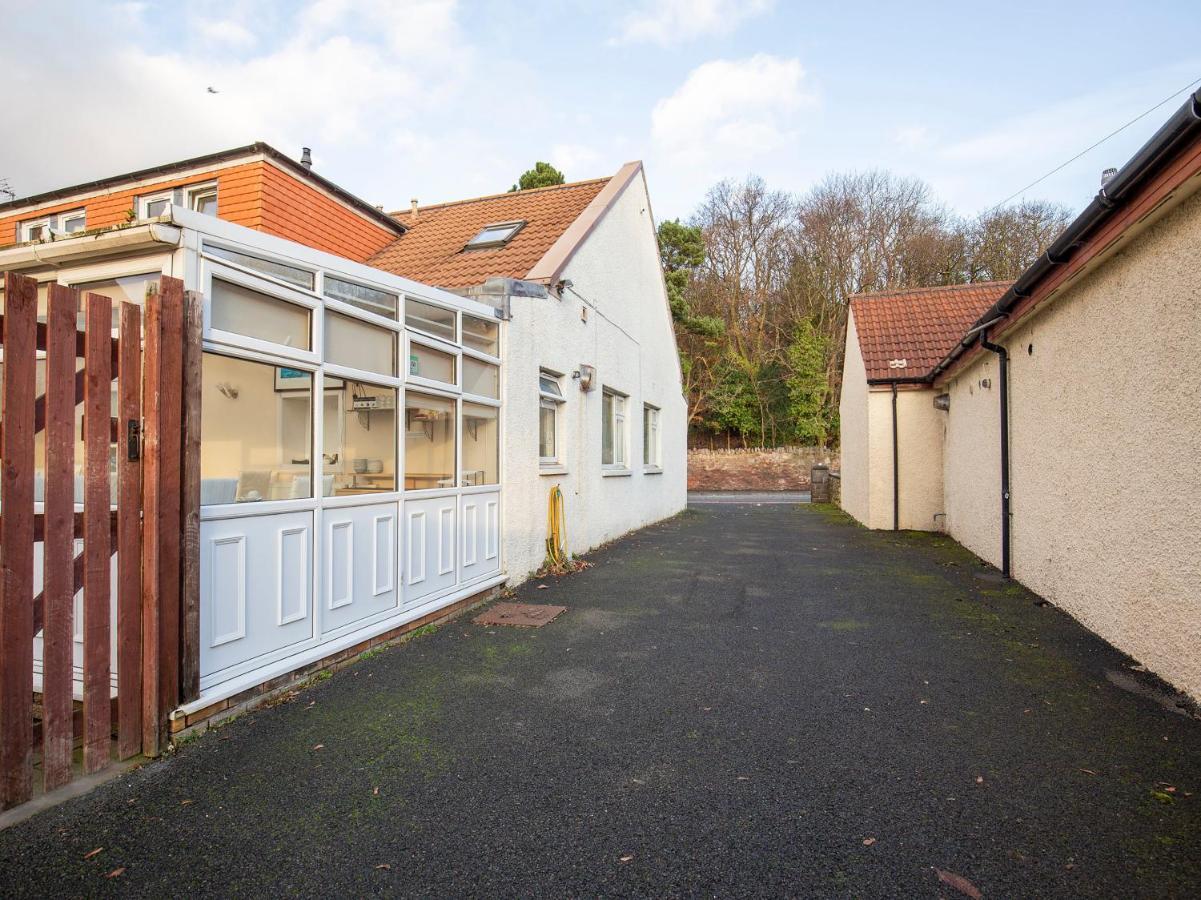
[(196, 192), (651, 438), (551, 401), (55, 223), (144, 201), (620, 431), (268, 288)]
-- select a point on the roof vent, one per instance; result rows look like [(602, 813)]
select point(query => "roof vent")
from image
[(1108, 174), (306, 157), (413, 208)]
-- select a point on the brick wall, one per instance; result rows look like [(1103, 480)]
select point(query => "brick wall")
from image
[(780, 469)]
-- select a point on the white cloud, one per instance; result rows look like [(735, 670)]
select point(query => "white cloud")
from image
[(730, 111), (336, 77), (225, 31), (668, 22)]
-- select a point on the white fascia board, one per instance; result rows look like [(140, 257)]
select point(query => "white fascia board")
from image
[(52, 254)]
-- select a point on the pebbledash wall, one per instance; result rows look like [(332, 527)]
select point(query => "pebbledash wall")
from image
[(865, 414), (1112, 537), (627, 335)]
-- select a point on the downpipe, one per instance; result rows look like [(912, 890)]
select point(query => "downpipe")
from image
[(1003, 386), (896, 466)]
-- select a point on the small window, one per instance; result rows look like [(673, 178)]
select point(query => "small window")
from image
[(613, 429), (426, 362), (240, 310), (367, 299), (358, 345), (203, 199), (278, 270), (36, 231), (496, 235), (480, 378), (550, 400), (481, 335), (71, 222), (651, 457), (431, 319), (152, 206)]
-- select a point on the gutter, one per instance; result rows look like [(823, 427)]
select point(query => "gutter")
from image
[(63, 251), (1181, 129)]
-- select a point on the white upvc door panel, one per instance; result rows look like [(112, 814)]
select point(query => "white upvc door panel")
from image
[(429, 558), (479, 525), (256, 578), (359, 566)]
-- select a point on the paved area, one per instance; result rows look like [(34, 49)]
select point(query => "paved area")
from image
[(745, 700)]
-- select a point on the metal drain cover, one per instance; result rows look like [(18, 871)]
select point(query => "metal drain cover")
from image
[(530, 615)]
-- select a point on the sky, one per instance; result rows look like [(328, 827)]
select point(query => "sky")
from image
[(441, 100)]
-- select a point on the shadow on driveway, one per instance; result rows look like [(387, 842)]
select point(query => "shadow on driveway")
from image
[(741, 700)]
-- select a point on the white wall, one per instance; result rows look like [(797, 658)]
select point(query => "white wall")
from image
[(853, 423), (628, 337), (1106, 450)]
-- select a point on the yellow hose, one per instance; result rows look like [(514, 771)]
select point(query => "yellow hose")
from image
[(556, 528)]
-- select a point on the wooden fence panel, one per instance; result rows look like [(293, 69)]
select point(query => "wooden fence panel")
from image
[(58, 587), (97, 548), (16, 537), (193, 324), (152, 724), (129, 535)]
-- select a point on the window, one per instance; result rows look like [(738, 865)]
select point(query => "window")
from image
[(481, 378), (434, 365), (277, 270), (481, 444), (368, 299), (431, 319), (240, 310), (550, 399), (496, 235), (151, 206), (358, 345), (203, 199), (255, 443), (131, 288), (363, 460), (199, 197), (429, 442), (650, 437), (481, 335), (48, 226), (613, 429)]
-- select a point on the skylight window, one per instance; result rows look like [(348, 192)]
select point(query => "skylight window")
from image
[(494, 235)]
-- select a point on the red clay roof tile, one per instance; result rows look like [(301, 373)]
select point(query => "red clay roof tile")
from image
[(920, 326), (431, 251)]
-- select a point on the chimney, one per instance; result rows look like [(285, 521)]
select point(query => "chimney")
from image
[(413, 208), (306, 157), (1108, 174)]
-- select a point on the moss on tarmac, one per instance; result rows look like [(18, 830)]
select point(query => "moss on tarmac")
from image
[(743, 700)]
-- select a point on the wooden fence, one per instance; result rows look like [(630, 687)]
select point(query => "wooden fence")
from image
[(139, 439)]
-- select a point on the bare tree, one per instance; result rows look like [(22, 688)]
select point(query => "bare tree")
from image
[(1003, 242)]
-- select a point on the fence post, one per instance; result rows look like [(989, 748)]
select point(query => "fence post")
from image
[(129, 535), (16, 539)]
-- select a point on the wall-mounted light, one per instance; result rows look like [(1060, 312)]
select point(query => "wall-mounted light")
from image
[(228, 390), (985, 384), (586, 376)]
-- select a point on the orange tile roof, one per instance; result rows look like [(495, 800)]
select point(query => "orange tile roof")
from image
[(431, 251), (920, 325)]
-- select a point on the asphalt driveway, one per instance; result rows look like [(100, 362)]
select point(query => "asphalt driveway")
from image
[(743, 700)]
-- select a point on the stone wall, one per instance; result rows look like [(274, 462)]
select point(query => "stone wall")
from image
[(779, 469)]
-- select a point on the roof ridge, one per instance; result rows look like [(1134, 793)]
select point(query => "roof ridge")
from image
[(526, 192), (865, 295)]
